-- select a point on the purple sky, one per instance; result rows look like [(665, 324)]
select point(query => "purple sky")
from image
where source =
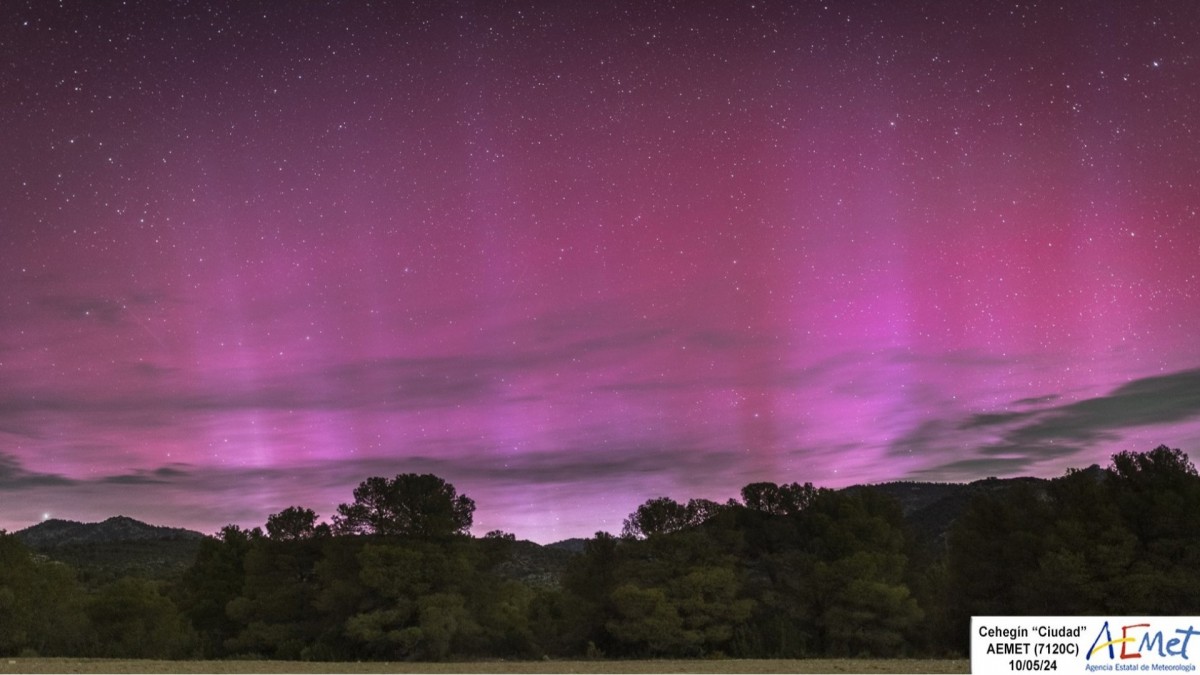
[(570, 256)]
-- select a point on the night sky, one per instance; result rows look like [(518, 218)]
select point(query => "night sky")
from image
[(570, 256)]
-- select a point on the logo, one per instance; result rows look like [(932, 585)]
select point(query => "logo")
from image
[(1138, 639)]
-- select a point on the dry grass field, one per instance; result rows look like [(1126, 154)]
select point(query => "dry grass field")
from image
[(20, 665)]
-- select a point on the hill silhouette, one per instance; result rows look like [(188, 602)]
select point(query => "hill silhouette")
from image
[(932, 508), (116, 547), (54, 533)]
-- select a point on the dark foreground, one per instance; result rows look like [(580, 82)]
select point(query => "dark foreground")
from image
[(19, 665)]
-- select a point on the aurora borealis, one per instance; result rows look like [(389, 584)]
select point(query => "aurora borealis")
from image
[(570, 256)]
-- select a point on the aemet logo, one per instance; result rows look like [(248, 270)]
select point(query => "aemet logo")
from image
[(1138, 639)]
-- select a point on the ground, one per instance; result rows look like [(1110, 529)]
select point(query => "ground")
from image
[(23, 665)]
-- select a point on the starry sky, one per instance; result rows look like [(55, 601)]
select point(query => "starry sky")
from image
[(570, 256)]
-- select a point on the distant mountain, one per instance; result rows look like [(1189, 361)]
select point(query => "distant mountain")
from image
[(114, 548), (54, 533), (574, 545), (932, 508)]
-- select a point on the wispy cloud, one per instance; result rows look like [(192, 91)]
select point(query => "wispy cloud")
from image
[(84, 308), (1013, 442), (161, 476), (13, 475)]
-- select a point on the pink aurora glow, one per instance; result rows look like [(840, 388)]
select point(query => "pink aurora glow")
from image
[(571, 259)]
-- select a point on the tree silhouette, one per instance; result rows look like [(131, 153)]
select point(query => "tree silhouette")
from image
[(663, 515), (780, 500), (409, 504), (294, 523)]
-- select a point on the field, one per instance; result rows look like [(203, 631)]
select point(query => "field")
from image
[(34, 665)]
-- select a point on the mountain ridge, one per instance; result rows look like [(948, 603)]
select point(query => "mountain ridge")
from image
[(55, 532)]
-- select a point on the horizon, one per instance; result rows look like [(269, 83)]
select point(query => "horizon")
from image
[(47, 518), (570, 258), (471, 532)]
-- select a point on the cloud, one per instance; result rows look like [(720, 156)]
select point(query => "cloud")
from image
[(513, 370), (952, 359), (600, 348), (1145, 402), (979, 420), (13, 475), (83, 308), (398, 384), (1037, 400), (163, 475), (22, 429), (152, 371), (725, 340), (107, 309), (599, 465), (1014, 442), (979, 466), (481, 464)]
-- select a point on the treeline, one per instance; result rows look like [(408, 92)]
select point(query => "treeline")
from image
[(787, 571)]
